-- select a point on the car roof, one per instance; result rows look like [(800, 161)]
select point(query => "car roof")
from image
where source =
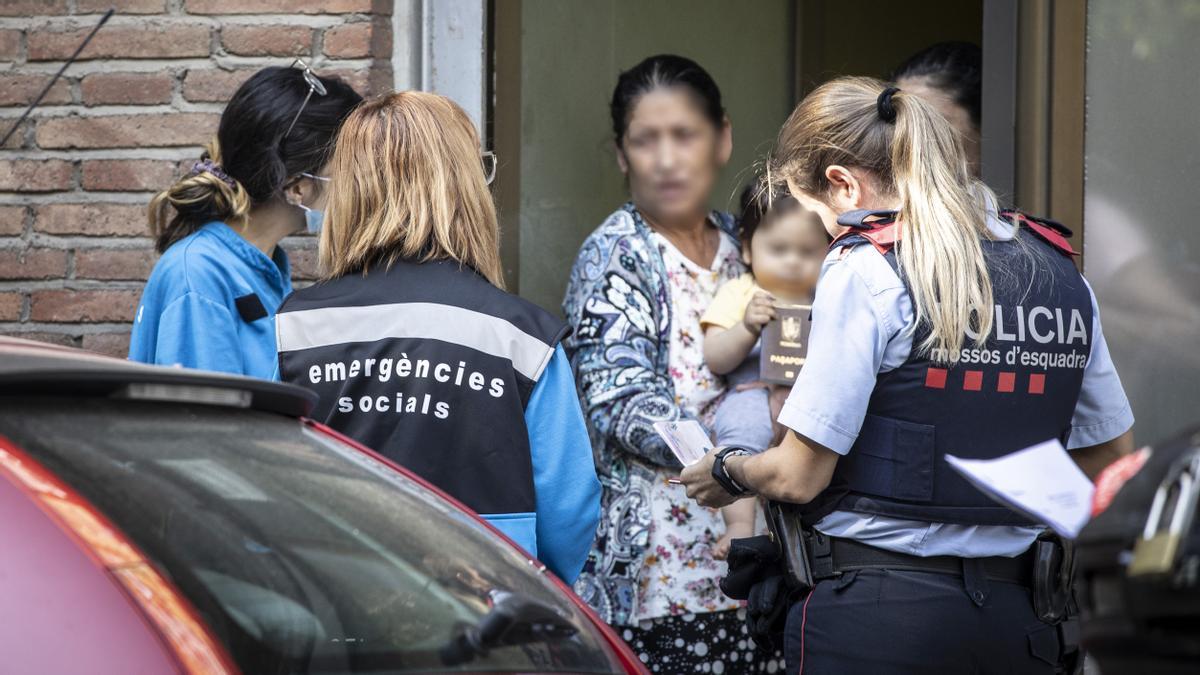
[(38, 368)]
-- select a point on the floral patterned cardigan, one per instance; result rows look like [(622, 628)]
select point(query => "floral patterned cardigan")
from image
[(618, 304)]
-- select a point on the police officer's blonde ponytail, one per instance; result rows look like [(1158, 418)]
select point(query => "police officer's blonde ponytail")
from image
[(942, 220), (205, 194), (915, 157)]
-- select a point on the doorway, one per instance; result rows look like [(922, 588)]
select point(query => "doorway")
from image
[(553, 66)]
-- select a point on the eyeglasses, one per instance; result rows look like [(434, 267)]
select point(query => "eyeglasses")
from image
[(489, 166), (314, 85)]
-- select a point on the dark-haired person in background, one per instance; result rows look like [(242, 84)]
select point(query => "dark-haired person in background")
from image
[(637, 290), (210, 301), (950, 76)]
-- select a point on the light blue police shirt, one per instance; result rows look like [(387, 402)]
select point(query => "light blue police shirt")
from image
[(862, 318)]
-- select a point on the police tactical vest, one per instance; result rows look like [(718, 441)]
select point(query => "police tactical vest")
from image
[(429, 365), (1017, 389)]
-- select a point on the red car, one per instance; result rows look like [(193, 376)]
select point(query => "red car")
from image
[(160, 520)]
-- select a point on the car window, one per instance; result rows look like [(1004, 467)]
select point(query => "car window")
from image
[(301, 553)]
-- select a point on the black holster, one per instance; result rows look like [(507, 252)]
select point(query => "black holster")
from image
[(1054, 595), (769, 572)]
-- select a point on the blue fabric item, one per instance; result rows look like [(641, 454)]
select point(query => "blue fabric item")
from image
[(743, 418), (564, 475), (188, 314), (862, 318)]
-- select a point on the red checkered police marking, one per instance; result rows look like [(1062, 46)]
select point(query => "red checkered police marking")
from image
[(935, 378), (1037, 383), (973, 380), (1006, 383)]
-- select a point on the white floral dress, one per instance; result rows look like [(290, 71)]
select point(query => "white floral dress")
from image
[(680, 575)]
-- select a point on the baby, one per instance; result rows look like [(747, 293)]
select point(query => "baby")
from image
[(784, 245)]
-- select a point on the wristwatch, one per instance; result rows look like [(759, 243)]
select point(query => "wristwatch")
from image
[(722, 476)]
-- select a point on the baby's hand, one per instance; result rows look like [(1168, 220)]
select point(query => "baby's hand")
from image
[(759, 312), (732, 531)]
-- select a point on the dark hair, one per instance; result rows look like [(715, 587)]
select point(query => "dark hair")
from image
[(664, 70), (761, 203), (251, 157), (955, 68)]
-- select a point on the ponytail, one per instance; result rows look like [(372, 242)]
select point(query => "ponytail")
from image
[(942, 221), (915, 155), (206, 194)]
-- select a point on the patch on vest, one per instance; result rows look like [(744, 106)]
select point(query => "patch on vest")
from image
[(1016, 334), (402, 369)]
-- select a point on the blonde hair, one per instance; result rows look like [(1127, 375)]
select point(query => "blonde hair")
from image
[(197, 198), (408, 183), (918, 159)]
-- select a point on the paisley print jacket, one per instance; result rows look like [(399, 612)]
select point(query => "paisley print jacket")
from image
[(618, 304)]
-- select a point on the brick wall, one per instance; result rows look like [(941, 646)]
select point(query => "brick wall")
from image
[(124, 121)]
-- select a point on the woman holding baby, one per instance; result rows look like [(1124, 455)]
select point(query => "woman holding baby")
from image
[(637, 299)]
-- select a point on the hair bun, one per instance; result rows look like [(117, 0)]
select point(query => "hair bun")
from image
[(208, 166), (885, 106)]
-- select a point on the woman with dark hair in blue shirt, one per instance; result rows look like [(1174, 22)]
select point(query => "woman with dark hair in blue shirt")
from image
[(210, 301)]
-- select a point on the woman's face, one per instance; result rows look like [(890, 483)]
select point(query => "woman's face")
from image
[(958, 116), (849, 189), (672, 154)]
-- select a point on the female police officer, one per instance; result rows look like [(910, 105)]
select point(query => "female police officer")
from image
[(938, 328)]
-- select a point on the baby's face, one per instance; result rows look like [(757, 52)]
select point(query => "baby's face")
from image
[(786, 253)]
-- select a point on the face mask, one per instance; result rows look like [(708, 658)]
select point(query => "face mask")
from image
[(313, 219)]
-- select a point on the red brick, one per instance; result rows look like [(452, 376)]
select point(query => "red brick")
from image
[(109, 344), (20, 89), (96, 219), (35, 175), (127, 174), (349, 41), (127, 131), (359, 80), (267, 40), (10, 44), (276, 6), (213, 85), (10, 306), (127, 88), (33, 263), (75, 306), (304, 262), (27, 8), (114, 263), (12, 220), (142, 41), (122, 6), (20, 138)]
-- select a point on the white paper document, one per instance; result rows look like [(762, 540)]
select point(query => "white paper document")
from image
[(686, 438), (1041, 482)]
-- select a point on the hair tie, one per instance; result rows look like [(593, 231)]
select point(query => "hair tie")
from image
[(887, 110), (209, 166)]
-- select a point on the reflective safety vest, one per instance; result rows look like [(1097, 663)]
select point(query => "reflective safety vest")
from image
[(1017, 389), (431, 366)]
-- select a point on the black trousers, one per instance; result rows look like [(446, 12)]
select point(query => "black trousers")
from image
[(886, 622)]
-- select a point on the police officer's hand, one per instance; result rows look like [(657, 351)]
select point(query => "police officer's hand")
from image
[(759, 312), (702, 487)]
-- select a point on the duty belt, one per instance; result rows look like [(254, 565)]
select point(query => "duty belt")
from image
[(832, 557)]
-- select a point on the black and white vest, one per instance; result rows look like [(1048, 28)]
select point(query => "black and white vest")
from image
[(429, 365)]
